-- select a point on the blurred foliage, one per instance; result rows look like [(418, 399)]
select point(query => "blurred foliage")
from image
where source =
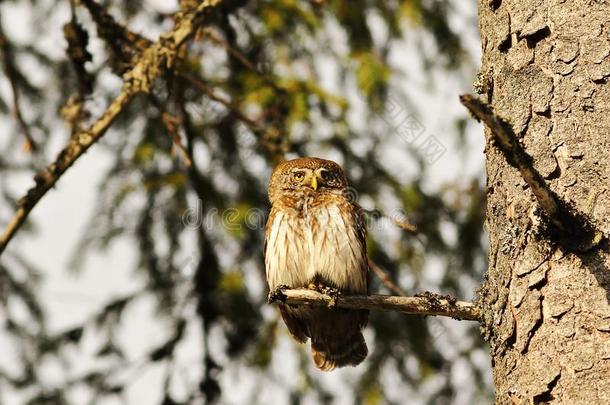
[(249, 91)]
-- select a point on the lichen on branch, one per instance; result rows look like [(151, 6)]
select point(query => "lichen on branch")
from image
[(158, 57), (420, 304)]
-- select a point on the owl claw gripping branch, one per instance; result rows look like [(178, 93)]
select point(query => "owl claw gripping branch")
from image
[(315, 236), (332, 292), (277, 294)]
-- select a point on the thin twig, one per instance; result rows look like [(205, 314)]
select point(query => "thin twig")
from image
[(262, 133), (239, 56), (424, 304), (10, 70), (403, 224), (214, 37), (576, 231), (139, 79), (385, 278), (172, 124), (208, 91)]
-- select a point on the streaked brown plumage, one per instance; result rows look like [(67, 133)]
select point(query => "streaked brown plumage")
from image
[(316, 236)]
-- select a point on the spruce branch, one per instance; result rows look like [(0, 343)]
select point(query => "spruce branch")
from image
[(149, 65), (125, 45)]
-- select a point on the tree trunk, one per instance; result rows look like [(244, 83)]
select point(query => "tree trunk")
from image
[(546, 65)]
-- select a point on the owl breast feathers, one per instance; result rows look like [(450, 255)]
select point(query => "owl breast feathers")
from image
[(315, 236)]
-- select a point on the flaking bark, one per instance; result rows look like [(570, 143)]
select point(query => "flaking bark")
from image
[(545, 308)]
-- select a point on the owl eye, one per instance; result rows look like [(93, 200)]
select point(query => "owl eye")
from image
[(298, 176)]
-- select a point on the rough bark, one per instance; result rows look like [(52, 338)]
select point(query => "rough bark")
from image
[(545, 309)]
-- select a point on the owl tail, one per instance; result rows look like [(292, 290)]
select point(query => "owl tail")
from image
[(338, 351)]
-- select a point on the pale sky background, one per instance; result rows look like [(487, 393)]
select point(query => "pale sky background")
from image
[(63, 213)]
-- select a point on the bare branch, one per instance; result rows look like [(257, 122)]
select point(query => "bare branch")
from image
[(214, 37), (172, 125), (239, 56), (11, 72), (385, 278), (200, 85), (424, 304), (576, 231), (46, 179), (153, 61)]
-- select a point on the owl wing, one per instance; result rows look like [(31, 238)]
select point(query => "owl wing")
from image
[(360, 224), (296, 325), (267, 233)]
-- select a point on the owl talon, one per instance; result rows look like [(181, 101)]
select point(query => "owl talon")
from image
[(315, 287), (277, 294), (333, 293)]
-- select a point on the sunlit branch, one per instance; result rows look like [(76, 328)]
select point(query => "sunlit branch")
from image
[(576, 232), (109, 30), (149, 66), (422, 304)]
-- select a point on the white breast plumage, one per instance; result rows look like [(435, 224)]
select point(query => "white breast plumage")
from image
[(314, 241)]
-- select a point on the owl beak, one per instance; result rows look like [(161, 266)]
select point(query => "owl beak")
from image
[(314, 182)]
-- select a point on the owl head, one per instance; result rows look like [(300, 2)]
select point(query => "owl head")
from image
[(309, 175)]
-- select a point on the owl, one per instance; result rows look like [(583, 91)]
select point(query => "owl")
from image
[(315, 237)]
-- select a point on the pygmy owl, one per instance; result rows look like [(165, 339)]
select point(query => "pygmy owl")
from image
[(315, 236)]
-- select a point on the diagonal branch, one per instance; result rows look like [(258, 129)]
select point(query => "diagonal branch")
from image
[(575, 231), (423, 304), (154, 60), (385, 278), (11, 74), (172, 124), (241, 58), (125, 44)]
